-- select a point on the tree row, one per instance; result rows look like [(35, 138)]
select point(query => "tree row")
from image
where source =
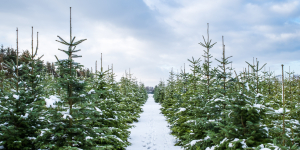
[(218, 108)]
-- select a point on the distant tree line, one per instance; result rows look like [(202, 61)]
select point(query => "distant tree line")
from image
[(149, 89), (10, 55)]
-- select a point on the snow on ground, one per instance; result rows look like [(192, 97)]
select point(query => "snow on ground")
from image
[(151, 132)]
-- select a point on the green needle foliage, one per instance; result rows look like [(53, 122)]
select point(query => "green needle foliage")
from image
[(22, 105), (64, 106), (218, 108)]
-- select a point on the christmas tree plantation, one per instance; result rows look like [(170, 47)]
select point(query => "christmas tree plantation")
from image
[(63, 106), (218, 108)]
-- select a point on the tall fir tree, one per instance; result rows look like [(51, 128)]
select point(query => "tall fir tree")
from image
[(71, 114), (22, 106)]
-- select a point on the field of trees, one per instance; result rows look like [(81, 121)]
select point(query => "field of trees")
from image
[(63, 105), (219, 108)]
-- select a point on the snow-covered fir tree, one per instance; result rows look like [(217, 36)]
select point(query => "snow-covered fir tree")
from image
[(22, 105)]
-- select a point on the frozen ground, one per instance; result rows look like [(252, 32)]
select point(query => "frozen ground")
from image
[(151, 132)]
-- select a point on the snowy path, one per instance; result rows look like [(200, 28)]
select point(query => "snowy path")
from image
[(151, 132)]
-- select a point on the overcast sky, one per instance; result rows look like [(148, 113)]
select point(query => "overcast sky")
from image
[(152, 36)]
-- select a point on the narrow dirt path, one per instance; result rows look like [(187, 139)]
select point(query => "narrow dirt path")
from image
[(151, 132)]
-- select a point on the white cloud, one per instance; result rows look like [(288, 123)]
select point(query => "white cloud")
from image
[(283, 37), (285, 7)]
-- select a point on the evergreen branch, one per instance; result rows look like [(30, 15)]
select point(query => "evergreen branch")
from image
[(67, 52), (57, 59), (76, 56), (62, 41), (252, 66), (204, 39), (212, 45), (262, 66), (35, 52), (73, 40), (78, 42), (40, 57), (202, 44), (73, 51), (209, 42), (76, 50), (228, 57)]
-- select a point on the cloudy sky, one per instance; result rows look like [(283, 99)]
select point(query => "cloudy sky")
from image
[(152, 36)]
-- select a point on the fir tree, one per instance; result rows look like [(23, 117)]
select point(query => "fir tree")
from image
[(74, 111), (22, 107)]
